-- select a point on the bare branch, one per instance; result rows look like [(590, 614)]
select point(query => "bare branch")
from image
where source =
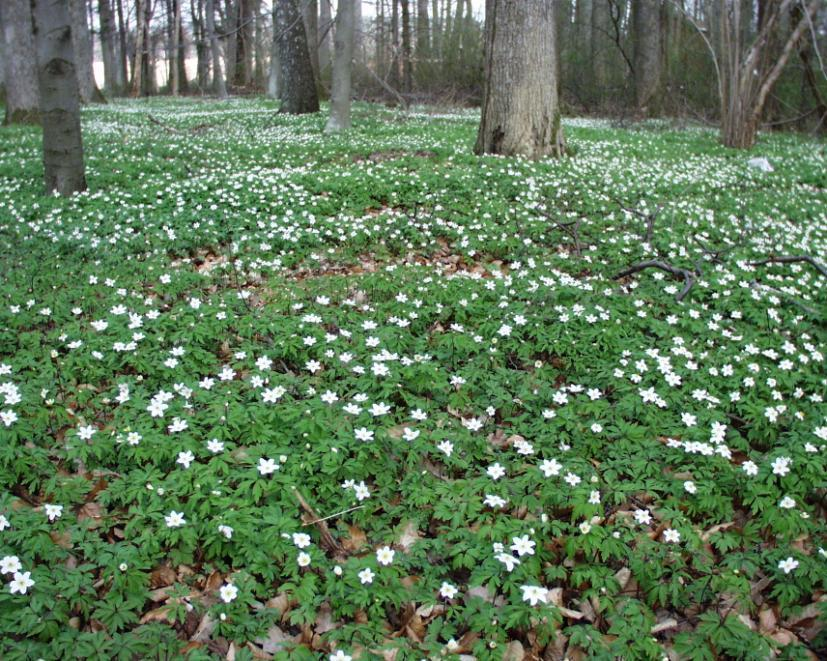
[(688, 276), (791, 259)]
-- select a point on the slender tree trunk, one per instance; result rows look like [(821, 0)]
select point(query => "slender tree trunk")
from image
[(148, 78), (219, 86), (244, 44), (201, 48), (520, 111), (82, 44), (599, 40), (59, 101), (647, 57), (258, 46), (175, 70), (107, 29), (339, 119), (325, 37), (274, 75), (381, 37), (298, 92), (395, 77), (123, 55), (20, 64), (138, 60), (407, 63), (357, 28), (310, 17), (229, 26), (183, 82), (423, 42)]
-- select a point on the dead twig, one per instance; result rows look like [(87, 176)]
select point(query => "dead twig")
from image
[(688, 276), (327, 540)]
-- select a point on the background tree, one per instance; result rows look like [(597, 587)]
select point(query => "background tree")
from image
[(59, 100), (646, 16), (297, 92), (107, 40), (340, 97), (219, 85), (520, 109), (82, 45), (19, 64)]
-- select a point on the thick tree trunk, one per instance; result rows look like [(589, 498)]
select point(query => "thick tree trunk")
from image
[(647, 58), (107, 30), (59, 101), (342, 66), (407, 63), (520, 110), (325, 38), (219, 86), (20, 64), (298, 87), (258, 46)]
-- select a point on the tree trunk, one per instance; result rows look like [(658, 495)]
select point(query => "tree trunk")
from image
[(82, 44), (340, 98), (201, 48), (244, 44), (298, 87), (423, 43), (20, 63), (107, 31), (219, 86), (183, 83), (520, 111), (59, 101), (310, 17), (647, 58), (407, 63), (174, 70), (138, 60), (258, 46), (325, 34), (600, 31), (274, 75), (123, 56), (395, 78)]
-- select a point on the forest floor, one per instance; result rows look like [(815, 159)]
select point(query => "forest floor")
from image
[(269, 392)]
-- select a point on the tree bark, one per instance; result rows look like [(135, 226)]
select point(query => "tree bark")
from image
[(201, 47), (123, 56), (310, 17), (339, 119), (520, 110), (107, 30), (298, 86), (59, 101), (407, 62), (82, 44), (244, 44), (647, 55), (325, 38), (138, 60), (600, 31), (219, 85), (423, 42), (175, 70), (20, 64)]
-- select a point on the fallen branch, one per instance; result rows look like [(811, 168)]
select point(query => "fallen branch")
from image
[(688, 276), (791, 259)]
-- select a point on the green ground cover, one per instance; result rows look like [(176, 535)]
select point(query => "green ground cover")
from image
[(246, 326)]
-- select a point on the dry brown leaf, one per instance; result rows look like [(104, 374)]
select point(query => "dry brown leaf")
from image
[(162, 576), (767, 620), (205, 628), (214, 581), (160, 614), (277, 640), (514, 651), (716, 528), (324, 619), (90, 512), (664, 625), (408, 537), (355, 540), (257, 652)]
